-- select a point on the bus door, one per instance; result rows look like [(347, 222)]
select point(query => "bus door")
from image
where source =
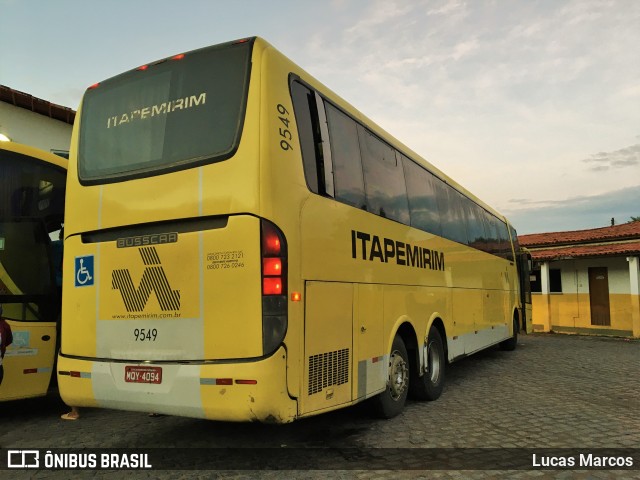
[(29, 302)]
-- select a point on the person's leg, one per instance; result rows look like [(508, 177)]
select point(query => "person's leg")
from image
[(74, 414)]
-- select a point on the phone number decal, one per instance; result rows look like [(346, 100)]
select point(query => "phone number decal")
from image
[(224, 260)]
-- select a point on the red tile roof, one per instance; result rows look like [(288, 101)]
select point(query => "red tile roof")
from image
[(598, 242), (38, 105), (626, 231), (598, 250)]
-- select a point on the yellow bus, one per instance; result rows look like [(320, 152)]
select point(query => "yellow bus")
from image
[(247, 246), (32, 186)]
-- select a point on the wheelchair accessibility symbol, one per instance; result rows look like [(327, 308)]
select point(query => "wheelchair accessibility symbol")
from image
[(84, 271)]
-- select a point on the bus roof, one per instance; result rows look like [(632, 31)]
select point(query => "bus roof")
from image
[(34, 152)]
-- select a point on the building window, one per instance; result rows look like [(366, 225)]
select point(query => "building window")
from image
[(555, 280), (535, 279)]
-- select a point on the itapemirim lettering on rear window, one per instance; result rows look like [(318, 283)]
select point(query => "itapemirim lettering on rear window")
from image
[(169, 115), (148, 112)]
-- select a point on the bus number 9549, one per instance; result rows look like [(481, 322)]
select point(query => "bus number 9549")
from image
[(145, 334), (285, 133)]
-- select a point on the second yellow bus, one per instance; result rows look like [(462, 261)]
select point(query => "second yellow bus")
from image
[(32, 192)]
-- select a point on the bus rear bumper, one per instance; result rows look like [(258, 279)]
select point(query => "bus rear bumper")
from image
[(243, 392)]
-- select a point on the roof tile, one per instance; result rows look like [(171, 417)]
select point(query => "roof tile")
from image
[(626, 231), (581, 251)]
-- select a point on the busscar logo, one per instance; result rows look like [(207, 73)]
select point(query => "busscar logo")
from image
[(154, 279), (146, 240)]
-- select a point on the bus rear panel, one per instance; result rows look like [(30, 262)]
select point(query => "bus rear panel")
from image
[(177, 302)]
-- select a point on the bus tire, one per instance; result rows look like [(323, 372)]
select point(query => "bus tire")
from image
[(430, 385), (510, 344), (391, 402)]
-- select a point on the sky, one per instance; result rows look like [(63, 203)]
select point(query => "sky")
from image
[(534, 106)]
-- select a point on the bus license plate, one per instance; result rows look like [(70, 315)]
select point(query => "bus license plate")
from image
[(138, 374)]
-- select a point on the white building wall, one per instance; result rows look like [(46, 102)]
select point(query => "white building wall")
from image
[(34, 129), (575, 274)]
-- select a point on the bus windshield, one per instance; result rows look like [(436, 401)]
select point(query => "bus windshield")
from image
[(173, 114), (31, 188), (31, 207), (25, 270)]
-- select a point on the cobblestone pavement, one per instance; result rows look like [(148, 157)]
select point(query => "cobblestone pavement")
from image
[(553, 392)]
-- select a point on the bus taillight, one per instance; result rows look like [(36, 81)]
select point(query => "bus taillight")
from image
[(273, 260), (271, 243), (272, 266), (272, 286), (273, 250)]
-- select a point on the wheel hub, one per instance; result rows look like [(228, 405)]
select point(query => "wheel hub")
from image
[(398, 375)]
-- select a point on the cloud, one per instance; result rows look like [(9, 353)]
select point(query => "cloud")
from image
[(625, 157), (630, 91), (383, 13), (575, 213), (491, 95), (446, 8)]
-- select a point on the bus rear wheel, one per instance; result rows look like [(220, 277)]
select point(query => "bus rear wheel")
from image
[(431, 384), (510, 344), (391, 402)]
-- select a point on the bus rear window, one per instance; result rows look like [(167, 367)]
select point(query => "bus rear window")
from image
[(170, 115)]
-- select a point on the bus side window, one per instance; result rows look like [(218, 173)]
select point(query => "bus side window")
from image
[(475, 225), (384, 178), (454, 223), (304, 107), (422, 195), (505, 244), (345, 153)]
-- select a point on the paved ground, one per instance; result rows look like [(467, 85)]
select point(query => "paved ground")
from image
[(554, 392)]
